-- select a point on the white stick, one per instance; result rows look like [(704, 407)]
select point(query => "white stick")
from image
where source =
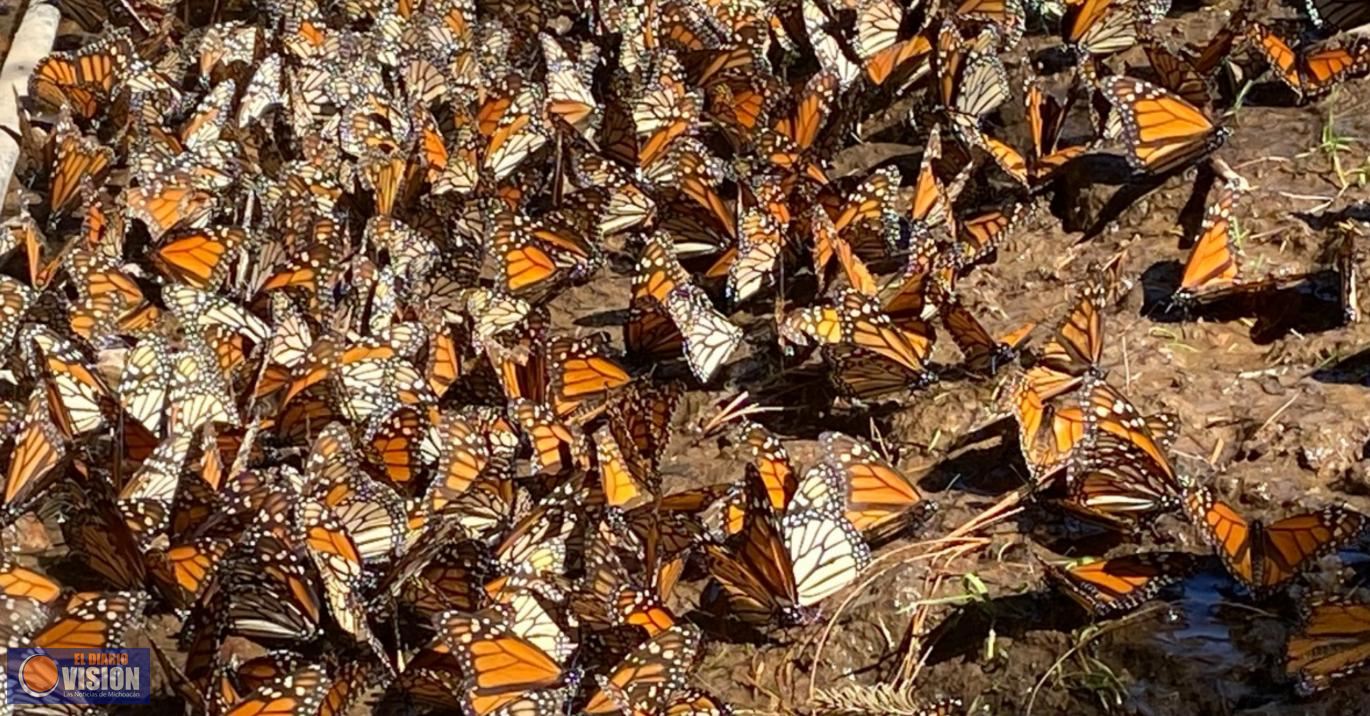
[(32, 42)]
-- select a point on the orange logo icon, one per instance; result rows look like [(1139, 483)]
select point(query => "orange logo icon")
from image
[(38, 675)]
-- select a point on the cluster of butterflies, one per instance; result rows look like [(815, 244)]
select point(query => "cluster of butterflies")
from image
[(283, 319), (1093, 454)]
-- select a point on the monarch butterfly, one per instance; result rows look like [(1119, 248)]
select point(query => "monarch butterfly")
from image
[(879, 27), (76, 158), (907, 304), (98, 533), (983, 353), (710, 338), (873, 494), (1078, 341), (1178, 74), (464, 458), (269, 593), (854, 319), (1046, 120), (186, 570), (1332, 641), (609, 598), (1007, 16), (1009, 159), (1263, 557), (167, 201), (1161, 131), (622, 480), (1106, 409), (537, 543), (1213, 272), (1310, 72), (301, 690), (650, 332), (1099, 27), (972, 79), (201, 258), (862, 375), (1048, 429), (28, 598), (1115, 482), (555, 448), (627, 205), (432, 679), (451, 579), (758, 250), (370, 513), (568, 85), (511, 647), (145, 501), (555, 246), (582, 370), (932, 200), (374, 124), (646, 678), (313, 269), (394, 443), (263, 92), (227, 44), (641, 420), (787, 564), (80, 399), (339, 566), (771, 462), (145, 380), (93, 620), (1339, 14), (868, 217), (38, 449), (83, 80), (674, 523), (376, 378), (979, 236), (828, 248), (694, 171), (832, 59), (513, 128), (199, 393), (1106, 587), (791, 144), (666, 110), (391, 177)]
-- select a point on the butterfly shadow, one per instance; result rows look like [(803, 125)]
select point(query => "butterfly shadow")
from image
[(1272, 94), (1359, 211), (1192, 213), (963, 633), (1049, 524), (1306, 307), (1053, 60), (614, 317), (1351, 370), (730, 631), (1081, 188), (988, 471)]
